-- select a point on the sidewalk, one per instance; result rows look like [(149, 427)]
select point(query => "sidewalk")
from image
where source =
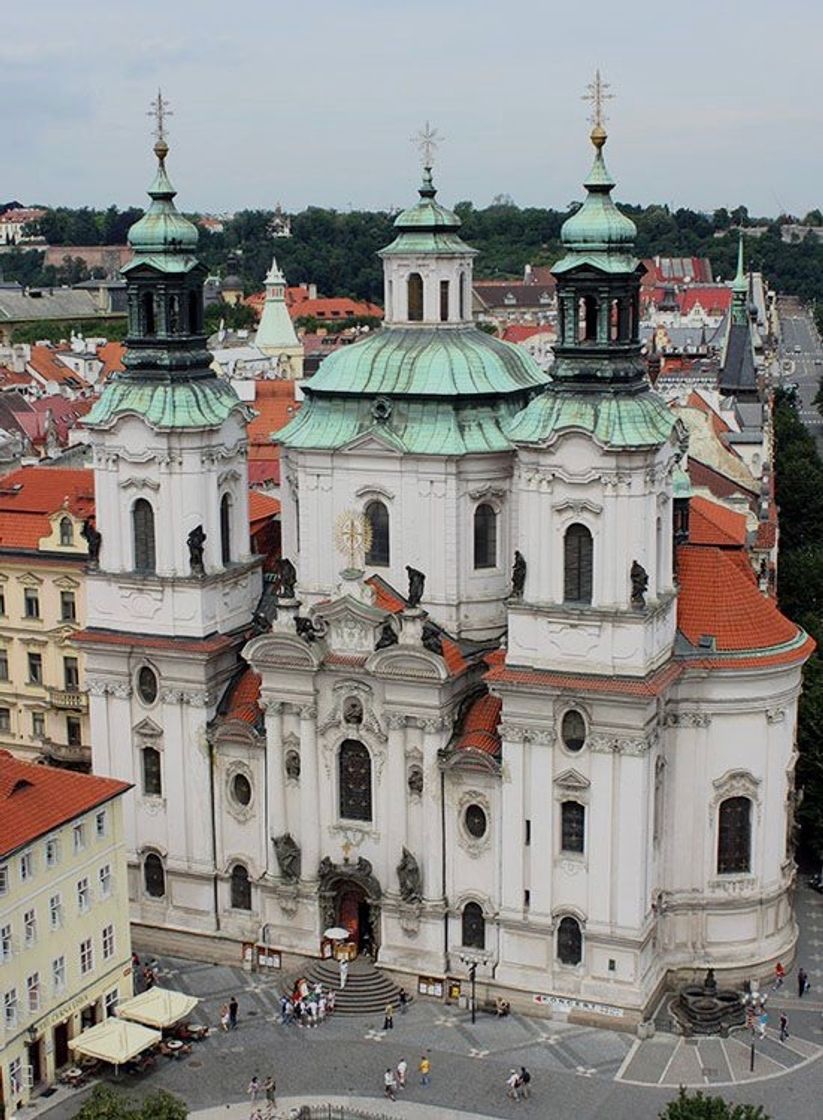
[(376, 1106)]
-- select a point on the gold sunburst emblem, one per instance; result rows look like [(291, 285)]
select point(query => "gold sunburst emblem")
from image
[(352, 535)]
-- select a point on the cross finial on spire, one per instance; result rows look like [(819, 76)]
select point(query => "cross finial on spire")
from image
[(427, 140), (596, 94), (160, 110)]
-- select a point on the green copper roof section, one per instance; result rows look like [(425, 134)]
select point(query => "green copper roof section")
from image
[(740, 284), (598, 235), (419, 427), (439, 362), (681, 484), (427, 227), (616, 420), (169, 404), (162, 238)]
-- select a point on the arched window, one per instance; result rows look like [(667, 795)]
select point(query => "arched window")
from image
[(474, 926), (378, 518), (66, 531), (577, 565), (147, 300), (572, 826), (734, 836), (573, 730), (142, 520), (485, 537), (195, 305), (462, 295), (414, 296), (444, 301), (154, 876), (225, 529), (152, 774), (240, 888), (354, 773), (173, 315), (569, 941)]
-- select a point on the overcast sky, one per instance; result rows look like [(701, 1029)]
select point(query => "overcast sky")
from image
[(718, 102)]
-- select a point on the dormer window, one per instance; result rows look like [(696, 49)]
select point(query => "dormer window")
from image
[(66, 532), (509, 299)]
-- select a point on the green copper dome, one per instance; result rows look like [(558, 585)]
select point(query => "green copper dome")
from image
[(427, 227), (616, 420), (162, 232), (165, 406), (598, 234)]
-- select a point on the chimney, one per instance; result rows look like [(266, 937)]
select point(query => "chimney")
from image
[(312, 291)]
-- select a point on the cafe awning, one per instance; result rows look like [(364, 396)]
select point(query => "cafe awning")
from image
[(157, 1007), (115, 1041)]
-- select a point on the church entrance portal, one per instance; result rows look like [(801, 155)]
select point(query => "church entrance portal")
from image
[(354, 914), (350, 896)]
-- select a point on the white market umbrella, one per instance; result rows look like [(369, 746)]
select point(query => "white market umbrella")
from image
[(157, 1007), (337, 933), (115, 1041)]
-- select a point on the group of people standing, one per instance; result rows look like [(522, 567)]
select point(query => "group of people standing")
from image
[(394, 1079), (307, 1005), (262, 1093)]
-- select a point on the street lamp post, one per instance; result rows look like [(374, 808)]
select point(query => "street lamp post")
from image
[(472, 963)]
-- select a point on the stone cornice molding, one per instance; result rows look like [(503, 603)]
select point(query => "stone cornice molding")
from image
[(687, 718)]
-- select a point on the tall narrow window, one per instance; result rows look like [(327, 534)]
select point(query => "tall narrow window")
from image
[(195, 303), (444, 301), (142, 517), (71, 673), (154, 876), (225, 529), (354, 774), (66, 531), (152, 777), (734, 836), (240, 888), (147, 300), (577, 565), (474, 926), (462, 295), (173, 324), (414, 295), (572, 826), (485, 537), (569, 941), (590, 326), (378, 518)]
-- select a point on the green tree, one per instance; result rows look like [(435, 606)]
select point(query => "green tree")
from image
[(162, 1105), (104, 1104), (235, 317), (699, 1107)]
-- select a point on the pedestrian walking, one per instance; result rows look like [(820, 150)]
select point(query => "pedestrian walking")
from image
[(389, 1085), (388, 1019), (233, 1005), (802, 983), (403, 1000), (425, 1068), (762, 1023), (254, 1088), (225, 1016), (402, 1070), (779, 976), (525, 1082), (344, 973), (270, 1089), (784, 1026), (511, 1086)]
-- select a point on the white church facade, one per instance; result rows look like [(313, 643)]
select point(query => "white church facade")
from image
[(497, 709)]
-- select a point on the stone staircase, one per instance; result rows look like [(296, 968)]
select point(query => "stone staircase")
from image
[(367, 990)]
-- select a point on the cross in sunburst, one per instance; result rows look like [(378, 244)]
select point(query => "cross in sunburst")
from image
[(159, 110), (427, 141), (596, 94)]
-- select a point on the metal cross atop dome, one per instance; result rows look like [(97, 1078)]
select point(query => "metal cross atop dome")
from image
[(427, 140), (596, 93), (160, 110)]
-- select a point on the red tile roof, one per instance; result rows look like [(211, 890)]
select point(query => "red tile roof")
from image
[(479, 731), (717, 598), (244, 703), (333, 309), (111, 355), (712, 524), (715, 481), (36, 799), (715, 299), (261, 508), (264, 471), (44, 362), (23, 214), (384, 596), (11, 378), (519, 332), (699, 402), (217, 643), (275, 406), (653, 685), (30, 494)]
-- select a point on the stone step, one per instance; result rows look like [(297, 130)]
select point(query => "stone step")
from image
[(367, 990)]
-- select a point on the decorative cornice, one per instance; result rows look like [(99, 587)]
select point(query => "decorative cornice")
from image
[(687, 719)]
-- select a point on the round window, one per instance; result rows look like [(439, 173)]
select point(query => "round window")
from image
[(573, 731), (475, 821), (147, 685), (241, 789)]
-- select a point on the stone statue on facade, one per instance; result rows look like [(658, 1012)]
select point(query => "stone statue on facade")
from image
[(195, 541), (417, 583), (387, 637), (93, 539), (287, 851), (411, 882), (640, 584), (285, 577), (518, 575), (431, 639)]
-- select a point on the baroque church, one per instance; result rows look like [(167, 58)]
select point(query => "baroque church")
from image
[(497, 712)]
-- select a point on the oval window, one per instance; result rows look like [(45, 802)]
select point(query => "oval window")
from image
[(147, 685), (241, 789), (573, 731), (475, 821)]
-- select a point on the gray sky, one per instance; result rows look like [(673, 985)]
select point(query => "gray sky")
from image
[(718, 101)]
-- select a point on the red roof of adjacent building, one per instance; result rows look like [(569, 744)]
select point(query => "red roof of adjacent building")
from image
[(479, 731), (22, 214), (715, 299), (261, 508), (335, 308), (36, 799), (244, 702), (111, 355), (519, 332), (653, 685), (11, 378), (700, 474), (29, 495), (275, 406), (44, 361), (712, 524)]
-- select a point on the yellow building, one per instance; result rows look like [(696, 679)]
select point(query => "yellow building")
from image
[(43, 557), (65, 950)]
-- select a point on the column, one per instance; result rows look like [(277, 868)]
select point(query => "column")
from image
[(276, 792), (309, 808), (432, 822), (512, 811), (394, 798)]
